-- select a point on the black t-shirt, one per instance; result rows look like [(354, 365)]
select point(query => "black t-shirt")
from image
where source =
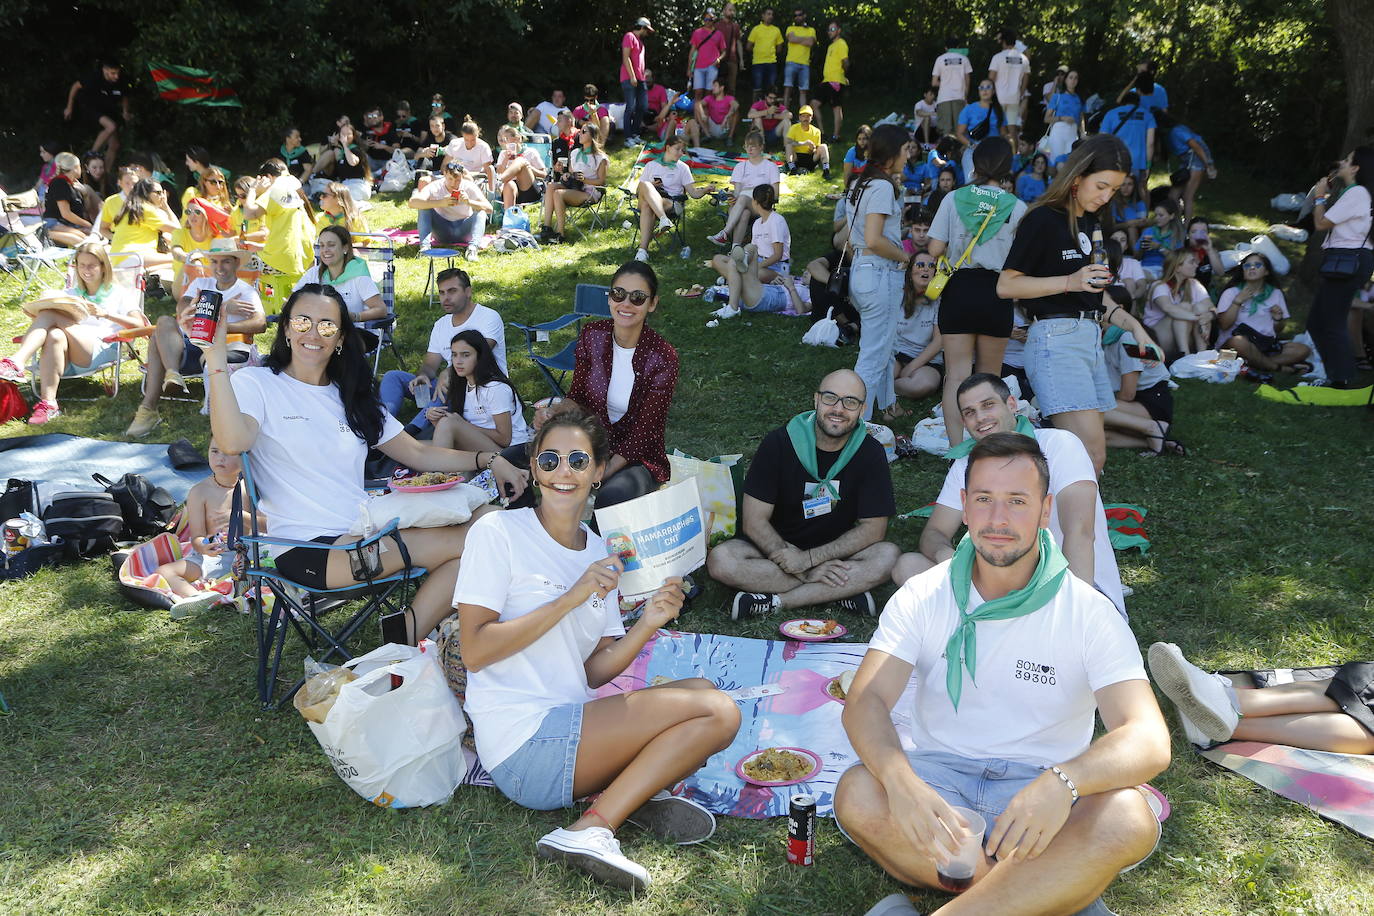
[(777, 478), (295, 163), (60, 189), (406, 132), (1043, 247), (343, 171), (102, 97)]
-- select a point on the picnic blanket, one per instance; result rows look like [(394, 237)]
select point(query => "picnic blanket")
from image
[(1339, 787), (1318, 396), (61, 461), (703, 162), (803, 716)]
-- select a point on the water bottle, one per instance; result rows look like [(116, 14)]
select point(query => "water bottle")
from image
[(686, 252), (709, 295)]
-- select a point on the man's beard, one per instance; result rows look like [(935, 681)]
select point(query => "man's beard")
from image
[(1002, 558)]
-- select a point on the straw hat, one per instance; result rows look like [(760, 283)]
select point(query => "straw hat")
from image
[(228, 247), (57, 300)]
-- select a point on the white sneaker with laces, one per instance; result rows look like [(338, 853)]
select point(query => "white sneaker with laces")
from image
[(642, 255), (725, 311), (1203, 699), (664, 224), (596, 851)]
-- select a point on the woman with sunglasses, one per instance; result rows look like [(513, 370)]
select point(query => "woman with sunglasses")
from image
[(977, 122), (540, 630), (144, 217), (624, 374), (581, 182), (1249, 313), (338, 208), (310, 414), (202, 224), (918, 368)]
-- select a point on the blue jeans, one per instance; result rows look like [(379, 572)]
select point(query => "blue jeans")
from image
[(797, 75), (875, 289), (765, 76), (395, 391), (636, 107), (1066, 366), (539, 774), (450, 231)]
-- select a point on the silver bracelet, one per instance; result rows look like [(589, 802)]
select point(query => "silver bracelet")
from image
[(1073, 789)]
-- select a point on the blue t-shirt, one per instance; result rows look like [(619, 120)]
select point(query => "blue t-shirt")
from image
[(913, 173), (973, 115), (852, 157), (1028, 187), (934, 164), (1164, 240), (1131, 127), (1066, 105), (1131, 211), (1157, 99), (1179, 137)]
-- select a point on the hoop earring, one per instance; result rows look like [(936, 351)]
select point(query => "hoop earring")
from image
[(596, 485)]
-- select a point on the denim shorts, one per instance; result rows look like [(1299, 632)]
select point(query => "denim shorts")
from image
[(1191, 161), (796, 75), (703, 77), (764, 76), (540, 774), (1066, 367)]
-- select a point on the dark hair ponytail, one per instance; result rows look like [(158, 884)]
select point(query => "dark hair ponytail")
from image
[(348, 369)]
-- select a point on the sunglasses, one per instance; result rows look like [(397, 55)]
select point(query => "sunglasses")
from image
[(549, 460), (985, 88), (1252, 265), (830, 399), (325, 327), (636, 297)]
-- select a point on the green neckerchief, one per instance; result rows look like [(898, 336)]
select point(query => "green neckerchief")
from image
[(973, 203), (962, 649), (355, 268), (1257, 300), (1023, 426), (291, 155), (99, 296), (801, 429), (1112, 335)]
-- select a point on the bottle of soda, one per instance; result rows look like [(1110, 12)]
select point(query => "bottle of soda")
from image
[(1099, 255)]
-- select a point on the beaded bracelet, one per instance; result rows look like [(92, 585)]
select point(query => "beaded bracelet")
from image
[(492, 460), (1073, 789)]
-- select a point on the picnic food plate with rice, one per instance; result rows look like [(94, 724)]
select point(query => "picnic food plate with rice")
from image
[(812, 629), (837, 688), (428, 482), (778, 766)]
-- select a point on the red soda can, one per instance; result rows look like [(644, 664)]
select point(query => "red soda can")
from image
[(206, 319), (801, 830)]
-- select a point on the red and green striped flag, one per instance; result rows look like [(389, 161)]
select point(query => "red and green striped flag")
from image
[(1126, 527), (188, 86)]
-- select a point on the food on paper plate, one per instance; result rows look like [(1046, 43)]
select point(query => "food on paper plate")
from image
[(427, 479), (839, 687), (777, 765), (819, 627)]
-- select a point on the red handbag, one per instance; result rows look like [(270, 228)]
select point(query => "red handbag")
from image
[(12, 403)]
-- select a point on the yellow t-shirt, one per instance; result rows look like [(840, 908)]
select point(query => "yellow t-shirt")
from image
[(805, 137), (139, 236), (835, 55), (236, 220), (765, 39), (799, 54), (290, 237), (109, 210), (181, 238), (323, 219)]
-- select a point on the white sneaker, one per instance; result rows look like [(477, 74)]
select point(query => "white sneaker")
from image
[(1203, 700), (472, 252), (596, 851), (721, 238), (740, 258), (642, 254), (893, 905), (674, 819), (725, 311), (664, 224)]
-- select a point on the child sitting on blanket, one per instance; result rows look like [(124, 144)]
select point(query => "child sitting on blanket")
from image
[(208, 506)]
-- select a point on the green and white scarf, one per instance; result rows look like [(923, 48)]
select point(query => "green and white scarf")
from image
[(801, 429)]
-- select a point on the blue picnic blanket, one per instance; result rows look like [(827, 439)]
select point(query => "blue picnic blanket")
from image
[(57, 461)]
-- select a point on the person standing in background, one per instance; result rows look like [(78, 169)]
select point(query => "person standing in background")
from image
[(834, 78), (950, 76), (728, 26), (800, 39), (632, 83), (764, 41), (1009, 71)]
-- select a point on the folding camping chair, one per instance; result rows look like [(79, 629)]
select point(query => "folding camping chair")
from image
[(379, 251), (589, 301), (24, 235), (281, 606)]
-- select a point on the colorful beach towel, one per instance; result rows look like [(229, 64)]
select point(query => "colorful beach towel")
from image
[(1339, 787), (1126, 527)]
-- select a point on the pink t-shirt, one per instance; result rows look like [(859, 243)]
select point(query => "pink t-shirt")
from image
[(1351, 216), (580, 112), (636, 48), (718, 108), (710, 44), (767, 123), (658, 97), (767, 231)]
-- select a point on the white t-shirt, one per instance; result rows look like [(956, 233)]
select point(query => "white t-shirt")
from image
[(923, 109), (769, 230), (914, 333), (588, 163), (241, 302), (622, 382), (1131, 270), (355, 290), (951, 67), (482, 404), (747, 175), (120, 300), (1351, 215), (475, 159), (675, 177), (1119, 362), (548, 115), (512, 566), (1261, 320), (1032, 700), (1069, 463), (1010, 65), (460, 208), (528, 153), (1191, 290), (307, 463), (483, 319)]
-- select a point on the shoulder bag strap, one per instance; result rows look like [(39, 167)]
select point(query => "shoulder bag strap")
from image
[(976, 236), (1123, 121)]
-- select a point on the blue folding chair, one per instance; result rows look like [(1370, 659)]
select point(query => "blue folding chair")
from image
[(589, 301), (379, 251), (292, 606)]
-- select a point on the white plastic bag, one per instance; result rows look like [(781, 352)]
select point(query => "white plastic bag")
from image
[(1205, 365), (1287, 203), (398, 174), (886, 438), (396, 747), (824, 333), (929, 436)]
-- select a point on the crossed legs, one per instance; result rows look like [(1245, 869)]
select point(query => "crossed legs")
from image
[(739, 564)]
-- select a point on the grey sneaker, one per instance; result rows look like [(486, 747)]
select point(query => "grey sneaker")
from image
[(753, 604), (894, 905), (596, 851), (1203, 700), (674, 819)]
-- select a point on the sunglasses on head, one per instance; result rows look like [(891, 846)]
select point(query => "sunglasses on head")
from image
[(549, 460), (636, 297), (325, 327)]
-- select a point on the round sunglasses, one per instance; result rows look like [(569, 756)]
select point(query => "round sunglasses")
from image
[(549, 460), (325, 327), (636, 297)]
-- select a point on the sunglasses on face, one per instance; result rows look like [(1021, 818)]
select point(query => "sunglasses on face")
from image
[(218, 181), (325, 327), (1252, 265), (984, 88), (830, 399), (549, 460), (636, 297)]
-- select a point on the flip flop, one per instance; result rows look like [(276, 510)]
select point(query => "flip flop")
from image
[(894, 413), (692, 292)]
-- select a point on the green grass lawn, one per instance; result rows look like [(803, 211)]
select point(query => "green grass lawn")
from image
[(140, 776)]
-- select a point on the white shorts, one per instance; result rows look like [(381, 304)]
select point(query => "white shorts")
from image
[(715, 130), (1012, 112)]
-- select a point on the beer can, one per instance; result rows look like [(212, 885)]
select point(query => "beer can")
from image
[(206, 320), (801, 830)]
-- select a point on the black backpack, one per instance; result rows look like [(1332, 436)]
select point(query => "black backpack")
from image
[(145, 508), (89, 522)]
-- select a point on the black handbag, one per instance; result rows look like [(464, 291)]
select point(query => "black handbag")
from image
[(147, 509), (1340, 263)]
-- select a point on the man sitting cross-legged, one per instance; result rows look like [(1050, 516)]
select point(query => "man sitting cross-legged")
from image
[(816, 503), (1012, 656), (1078, 522)]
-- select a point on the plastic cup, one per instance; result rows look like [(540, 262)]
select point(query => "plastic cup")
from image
[(956, 873), (423, 395)]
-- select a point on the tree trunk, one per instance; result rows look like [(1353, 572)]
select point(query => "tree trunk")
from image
[(1354, 28)]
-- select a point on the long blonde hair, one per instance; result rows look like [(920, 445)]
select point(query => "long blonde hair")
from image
[(1100, 153), (352, 218), (99, 250), (1173, 259)]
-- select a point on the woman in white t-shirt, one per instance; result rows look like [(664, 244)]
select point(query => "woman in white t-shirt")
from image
[(309, 415), (1180, 312), (662, 185), (520, 170), (539, 610), (757, 274), (340, 268), (1347, 221), (59, 340), (475, 153), (484, 411), (752, 172), (581, 184), (917, 367), (1248, 314)]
